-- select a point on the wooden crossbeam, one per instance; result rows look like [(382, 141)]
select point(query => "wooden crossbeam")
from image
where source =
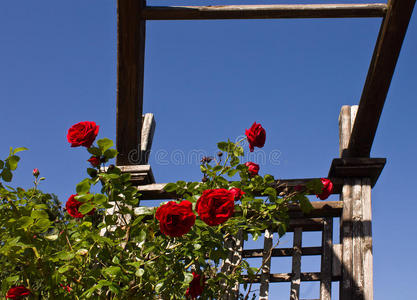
[(156, 191), (130, 71), (282, 252), (381, 70), (264, 11), (285, 277)]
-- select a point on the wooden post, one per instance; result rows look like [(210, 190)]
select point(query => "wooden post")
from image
[(130, 70), (266, 262), (326, 260), (355, 224), (296, 264)]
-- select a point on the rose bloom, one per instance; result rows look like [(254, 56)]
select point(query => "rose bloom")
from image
[(237, 193), (94, 161), (196, 286), (175, 219), (73, 205), (256, 136), (327, 189), (17, 292), (216, 206), (82, 134), (253, 168)]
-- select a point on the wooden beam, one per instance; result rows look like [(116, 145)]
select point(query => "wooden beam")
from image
[(282, 252), (264, 11), (156, 191), (130, 69), (357, 167), (381, 70), (285, 277)]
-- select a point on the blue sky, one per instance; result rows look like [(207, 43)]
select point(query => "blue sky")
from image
[(207, 81)]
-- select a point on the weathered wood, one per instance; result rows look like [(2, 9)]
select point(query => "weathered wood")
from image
[(357, 167), (264, 11), (148, 130), (296, 264), (130, 70), (282, 252), (139, 174), (381, 70), (285, 277), (266, 265), (357, 233), (326, 260), (337, 261), (156, 191), (346, 283), (367, 239), (344, 129)]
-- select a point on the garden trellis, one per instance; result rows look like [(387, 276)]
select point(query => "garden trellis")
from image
[(353, 174)]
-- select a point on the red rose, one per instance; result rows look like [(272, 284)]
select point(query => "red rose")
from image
[(175, 219), (66, 287), (17, 292), (196, 286), (82, 134), (237, 193), (253, 168), (216, 206), (35, 172), (73, 205), (94, 161), (327, 189), (256, 136)]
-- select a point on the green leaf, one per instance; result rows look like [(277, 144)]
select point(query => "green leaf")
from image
[(270, 192), (116, 260), (95, 151), (217, 168), (269, 179), (170, 187), (42, 225), (52, 237), (86, 208), (110, 153), (188, 277), (63, 269), (112, 271), (7, 175), (25, 222), (64, 255), (1, 164), (83, 187), (12, 161), (105, 144), (223, 146), (238, 151), (39, 214), (305, 205), (18, 149), (100, 198), (232, 172), (234, 161), (159, 286), (140, 272)]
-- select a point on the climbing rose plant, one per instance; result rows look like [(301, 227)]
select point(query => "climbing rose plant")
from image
[(175, 251)]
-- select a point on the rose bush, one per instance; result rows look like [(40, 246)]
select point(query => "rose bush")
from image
[(107, 245)]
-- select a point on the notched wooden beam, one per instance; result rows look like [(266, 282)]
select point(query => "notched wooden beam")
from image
[(358, 167)]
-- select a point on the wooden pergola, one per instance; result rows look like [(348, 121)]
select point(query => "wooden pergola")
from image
[(354, 173)]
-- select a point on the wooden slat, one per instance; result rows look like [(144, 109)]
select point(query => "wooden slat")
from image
[(326, 260), (337, 261), (156, 191), (130, 70), (264, 11), (282, 252), (285, 277), (381, 70), (266, 265), (148, 130), (296, 264), (367, 239)]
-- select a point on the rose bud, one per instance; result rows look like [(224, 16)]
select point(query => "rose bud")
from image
[(82, 134), (219, 154), (256, 136), (196, 286), (35, 172), (215, 206), (17, 292), (175, 219), (237, 193), (327, 189), (94, 161), (253, 168), (204, 179)]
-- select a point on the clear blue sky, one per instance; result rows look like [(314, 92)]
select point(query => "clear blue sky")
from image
[(207, 81)]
